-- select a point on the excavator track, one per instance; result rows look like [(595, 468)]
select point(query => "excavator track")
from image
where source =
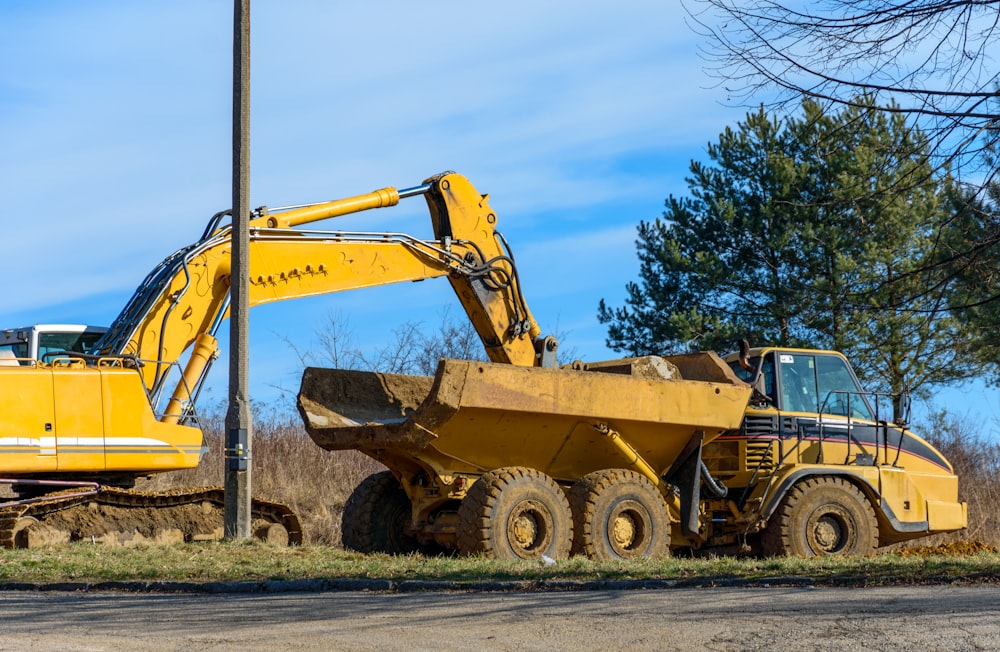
[(122, 516)]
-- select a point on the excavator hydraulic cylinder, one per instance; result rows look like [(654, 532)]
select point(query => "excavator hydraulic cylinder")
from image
[(205, 348), (377, 199)]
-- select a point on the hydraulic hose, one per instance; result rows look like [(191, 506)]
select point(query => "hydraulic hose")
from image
[(715, 487)]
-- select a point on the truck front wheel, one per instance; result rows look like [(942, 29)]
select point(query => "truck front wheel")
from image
[(376, 515), (515, 513), (822, 516), (618, 514)]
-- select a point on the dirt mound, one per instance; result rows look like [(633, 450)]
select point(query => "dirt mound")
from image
[(120, 516), (103, 522), (955, 548)]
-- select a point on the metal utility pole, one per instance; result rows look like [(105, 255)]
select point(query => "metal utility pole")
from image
[(239, 428)]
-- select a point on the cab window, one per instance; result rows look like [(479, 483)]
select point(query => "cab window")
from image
[(820, 383), (797, 374), (766, 372), (55, 343), (14, 350), (840, 390)]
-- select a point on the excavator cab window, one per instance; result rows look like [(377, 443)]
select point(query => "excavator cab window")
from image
[(53, 344), (16, 349), (9, 354)]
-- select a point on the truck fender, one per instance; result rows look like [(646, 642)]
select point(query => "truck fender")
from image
[(872, 492), (794, 477)]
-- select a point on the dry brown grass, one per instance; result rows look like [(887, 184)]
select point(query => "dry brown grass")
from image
[(287, 467), (977, 464)]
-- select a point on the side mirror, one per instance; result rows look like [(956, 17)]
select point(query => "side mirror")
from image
[(745, 355), (903, 419)]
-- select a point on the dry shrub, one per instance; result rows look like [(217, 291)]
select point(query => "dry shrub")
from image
[(977, 465), (289, 467), (286, 467)]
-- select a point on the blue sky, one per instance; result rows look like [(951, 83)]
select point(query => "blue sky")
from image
[(577, 119)]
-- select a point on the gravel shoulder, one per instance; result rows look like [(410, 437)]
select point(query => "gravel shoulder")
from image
[(721, 618)]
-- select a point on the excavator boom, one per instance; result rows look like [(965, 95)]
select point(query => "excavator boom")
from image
[(187, 294)]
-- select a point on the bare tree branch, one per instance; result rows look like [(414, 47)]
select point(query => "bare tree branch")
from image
[(932, 60)]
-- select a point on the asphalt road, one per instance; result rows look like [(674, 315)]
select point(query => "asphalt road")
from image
[(897, 618)]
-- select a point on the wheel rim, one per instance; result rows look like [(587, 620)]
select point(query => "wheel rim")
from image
[(529, 529), (396, 517), (627, 529), (829, 531)]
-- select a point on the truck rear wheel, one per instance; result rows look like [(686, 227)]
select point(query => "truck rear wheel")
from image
[(515, 513), (820, 517), (618, 514), (376, 515)]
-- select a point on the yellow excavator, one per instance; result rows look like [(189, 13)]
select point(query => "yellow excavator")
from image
[(86, 411)]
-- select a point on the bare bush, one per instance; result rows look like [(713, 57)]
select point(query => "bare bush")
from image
[(977, 464), (287, 467)]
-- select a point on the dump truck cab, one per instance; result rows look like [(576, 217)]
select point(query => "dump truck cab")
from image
[(805, 380), (819, 467)]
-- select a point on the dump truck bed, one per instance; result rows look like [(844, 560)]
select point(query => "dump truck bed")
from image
[(472, 417)]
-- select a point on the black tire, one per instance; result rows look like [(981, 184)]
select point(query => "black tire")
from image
[(376, 515), (821, 517), (617, 515), (515, 513)]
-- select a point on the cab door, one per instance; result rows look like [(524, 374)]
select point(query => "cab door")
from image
[(79, 416), (27, 429), (832, 415)]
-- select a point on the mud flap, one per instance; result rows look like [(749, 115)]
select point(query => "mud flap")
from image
[(685, 474)]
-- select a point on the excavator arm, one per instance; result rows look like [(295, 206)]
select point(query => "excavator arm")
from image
[(185, 299)]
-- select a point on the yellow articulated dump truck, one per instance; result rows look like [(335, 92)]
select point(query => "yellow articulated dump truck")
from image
[(630, 458), (777, 450), (85, 411)]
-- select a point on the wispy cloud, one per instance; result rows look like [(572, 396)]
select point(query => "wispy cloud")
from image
[(578, 118)]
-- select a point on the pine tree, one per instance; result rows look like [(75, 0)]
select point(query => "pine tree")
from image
[(822, 230)]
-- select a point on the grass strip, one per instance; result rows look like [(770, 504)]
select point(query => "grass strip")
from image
[(254, 561)]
